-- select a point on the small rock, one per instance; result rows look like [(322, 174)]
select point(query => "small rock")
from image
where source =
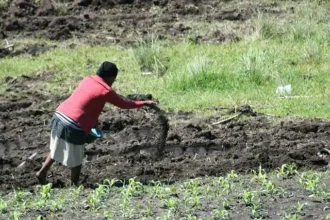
[(147, 73)]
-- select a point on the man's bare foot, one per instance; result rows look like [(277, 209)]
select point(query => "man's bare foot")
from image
[(41, 178)]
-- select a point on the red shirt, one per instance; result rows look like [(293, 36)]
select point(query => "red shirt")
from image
[(85, 104)]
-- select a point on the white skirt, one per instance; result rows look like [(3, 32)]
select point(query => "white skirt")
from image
[(68, 154)]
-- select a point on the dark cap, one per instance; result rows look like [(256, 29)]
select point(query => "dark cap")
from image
[(107, 69)]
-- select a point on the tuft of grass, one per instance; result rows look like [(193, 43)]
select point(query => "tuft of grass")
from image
[(61, 7), (201, 75), (150, 55), (253, 68), (264, 27)]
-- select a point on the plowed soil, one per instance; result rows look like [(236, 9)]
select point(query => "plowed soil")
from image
[(127, 20), (142, 143)]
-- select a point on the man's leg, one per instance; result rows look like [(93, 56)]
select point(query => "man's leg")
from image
[(42, 174), (75, 173)]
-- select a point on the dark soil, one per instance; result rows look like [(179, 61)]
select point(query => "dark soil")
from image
[(134, 139), (4, 52), (32, 49), (123, 20)]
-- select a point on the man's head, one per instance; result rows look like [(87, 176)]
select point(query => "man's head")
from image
[(108, 71)]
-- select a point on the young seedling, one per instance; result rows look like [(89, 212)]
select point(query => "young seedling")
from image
[(21, 196), (128, 213), (158, 190), (3, 206), (260, 176), (125, 199), (126, 194), (147, 212), (56, 206), (227, 203), (172, 204), (191, 217), (109, 183), (257, 211), (310, 182), (290, 216), (107, 215), (166, 216), (269, 187), (216, 186), (208, 191), (193, 187), (220, 214), (193, 201), (232, 176), (226, 184), (95, 197), (287, 170), (248, 198), (22, 206), (133, 187), (40, 203), (300, 207), (15, 215), (251, 200), (171, 190), (78, 191), (45, 191), (135, 184), (325, 195)]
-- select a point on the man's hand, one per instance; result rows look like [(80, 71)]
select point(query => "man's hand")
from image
[(150, 103)]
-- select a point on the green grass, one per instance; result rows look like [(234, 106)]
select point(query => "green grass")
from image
[(198, 76), (271, 195)]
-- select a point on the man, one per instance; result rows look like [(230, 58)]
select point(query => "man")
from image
[(76, 116)]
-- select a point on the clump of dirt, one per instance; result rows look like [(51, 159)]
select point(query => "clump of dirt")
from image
[(32, 49), (22, 8), (4, 52), (141, 97), (133, 132), (141, 143)]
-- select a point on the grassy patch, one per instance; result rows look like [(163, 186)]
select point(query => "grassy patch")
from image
[(199, 76)]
